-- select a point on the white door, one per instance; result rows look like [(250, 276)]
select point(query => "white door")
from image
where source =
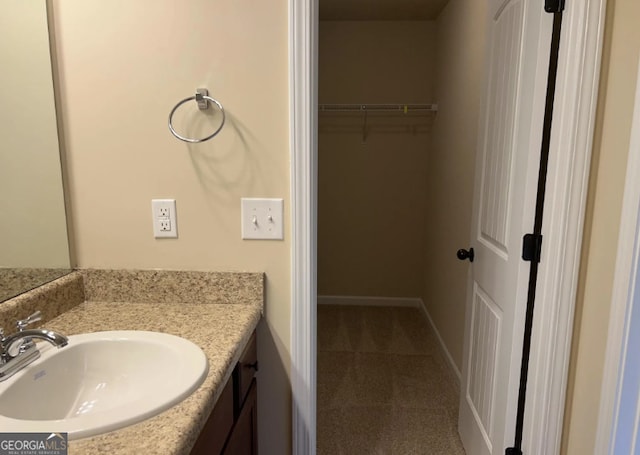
[(510, 131)]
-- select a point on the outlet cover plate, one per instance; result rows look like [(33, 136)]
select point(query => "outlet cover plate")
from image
[(262, 218), (164, 218)]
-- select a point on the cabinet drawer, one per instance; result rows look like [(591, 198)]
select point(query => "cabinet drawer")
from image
[(244, 373), (215, 431)]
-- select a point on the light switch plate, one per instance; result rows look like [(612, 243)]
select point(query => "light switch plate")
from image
[(262, 218)]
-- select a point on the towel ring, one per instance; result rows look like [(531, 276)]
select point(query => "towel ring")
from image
[(202, 98)]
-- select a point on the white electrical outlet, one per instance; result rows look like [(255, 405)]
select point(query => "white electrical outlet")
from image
[(262, 218), (164, 218)]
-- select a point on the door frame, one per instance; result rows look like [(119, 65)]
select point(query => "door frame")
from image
[(574, 118), (626, 291)]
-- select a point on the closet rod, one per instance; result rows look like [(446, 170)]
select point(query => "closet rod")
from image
[(378, 107)]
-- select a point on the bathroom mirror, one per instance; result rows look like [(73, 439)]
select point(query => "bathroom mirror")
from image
[(34, 247)]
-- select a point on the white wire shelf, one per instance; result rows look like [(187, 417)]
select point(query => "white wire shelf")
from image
[(402, 108), (364, 110)]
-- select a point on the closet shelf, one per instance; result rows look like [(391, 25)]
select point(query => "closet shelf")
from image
[(364, 109), (403, 108)]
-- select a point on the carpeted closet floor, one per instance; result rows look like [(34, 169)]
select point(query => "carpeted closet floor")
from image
[(383, 387)]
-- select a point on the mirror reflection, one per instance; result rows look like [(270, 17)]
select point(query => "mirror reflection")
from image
[(34, 245)]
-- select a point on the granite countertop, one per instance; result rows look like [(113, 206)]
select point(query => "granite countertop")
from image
[(227, 309)]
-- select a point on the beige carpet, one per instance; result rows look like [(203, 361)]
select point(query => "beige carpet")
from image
[(383, 387)]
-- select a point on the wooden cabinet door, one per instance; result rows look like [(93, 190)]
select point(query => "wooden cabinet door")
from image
[(244, 436), (215, 432)]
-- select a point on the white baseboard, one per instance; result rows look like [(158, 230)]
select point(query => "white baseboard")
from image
[(413, 302), (447, 355), (369, 301)]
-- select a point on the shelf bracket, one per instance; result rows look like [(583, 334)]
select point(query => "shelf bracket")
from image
[(364, 125)]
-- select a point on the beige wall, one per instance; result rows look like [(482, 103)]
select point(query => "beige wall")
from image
[(459, 68), (33, 229), (608, 170), (371, 192), (123, 65)]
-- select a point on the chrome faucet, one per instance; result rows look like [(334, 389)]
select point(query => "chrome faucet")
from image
[(18, 349)]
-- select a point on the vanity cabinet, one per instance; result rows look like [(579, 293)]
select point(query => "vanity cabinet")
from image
[(232, 426)]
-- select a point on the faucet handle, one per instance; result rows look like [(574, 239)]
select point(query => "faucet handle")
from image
[(23, 323)]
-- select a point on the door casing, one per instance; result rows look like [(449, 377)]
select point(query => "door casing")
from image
[(620, 362)]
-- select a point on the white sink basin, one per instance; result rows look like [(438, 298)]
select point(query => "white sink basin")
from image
[(101, 382)]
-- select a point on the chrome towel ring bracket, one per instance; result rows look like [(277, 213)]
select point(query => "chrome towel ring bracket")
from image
[(202, 98)]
